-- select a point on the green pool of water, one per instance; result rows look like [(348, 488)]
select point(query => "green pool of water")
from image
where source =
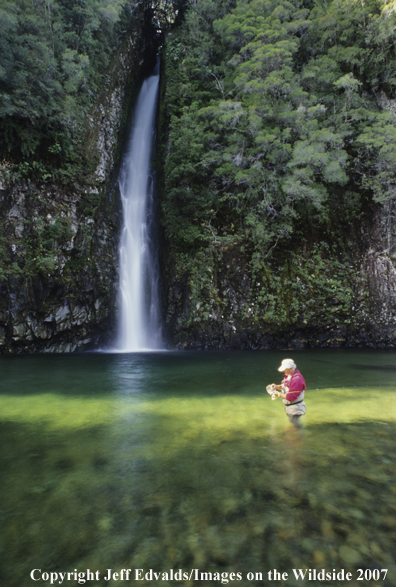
[(182, 461)]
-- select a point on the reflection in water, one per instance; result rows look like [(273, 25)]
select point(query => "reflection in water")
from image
[(374, 367), (183, 461)]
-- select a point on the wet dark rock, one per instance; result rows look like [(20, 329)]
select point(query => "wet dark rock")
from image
[(229, 323), (64, 299)]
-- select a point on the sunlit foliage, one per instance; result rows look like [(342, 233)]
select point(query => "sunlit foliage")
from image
[(276, 103)]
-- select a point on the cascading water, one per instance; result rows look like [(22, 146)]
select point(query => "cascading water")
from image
[(139, 327)]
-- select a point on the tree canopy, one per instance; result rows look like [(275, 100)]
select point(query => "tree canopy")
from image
[(54, 58), (278, 141), (278, 104)]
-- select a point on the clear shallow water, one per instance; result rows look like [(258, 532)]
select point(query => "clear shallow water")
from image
[(182, 461)]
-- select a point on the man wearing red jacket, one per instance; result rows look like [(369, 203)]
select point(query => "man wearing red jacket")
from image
[(291, 391)]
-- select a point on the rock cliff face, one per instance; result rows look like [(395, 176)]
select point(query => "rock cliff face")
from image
[(59, 245), (378, 267), (63, 299), (225, 321)]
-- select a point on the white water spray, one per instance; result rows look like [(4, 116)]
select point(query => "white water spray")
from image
[(138, 290)]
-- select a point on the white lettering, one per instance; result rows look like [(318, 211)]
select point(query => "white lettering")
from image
[(108, 577), (299, 573)]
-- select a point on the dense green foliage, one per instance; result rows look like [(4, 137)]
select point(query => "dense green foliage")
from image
[(278, 146), (54, 55)]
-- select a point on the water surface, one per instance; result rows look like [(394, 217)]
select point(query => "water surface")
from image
[(182, 461)]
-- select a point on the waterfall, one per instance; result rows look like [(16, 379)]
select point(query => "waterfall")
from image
[(139, 326)]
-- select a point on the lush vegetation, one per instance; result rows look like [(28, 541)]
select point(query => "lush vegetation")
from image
[(278, 148), (275, 146), (55, 57)]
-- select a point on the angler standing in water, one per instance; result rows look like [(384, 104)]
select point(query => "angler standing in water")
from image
[(291, 390)]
